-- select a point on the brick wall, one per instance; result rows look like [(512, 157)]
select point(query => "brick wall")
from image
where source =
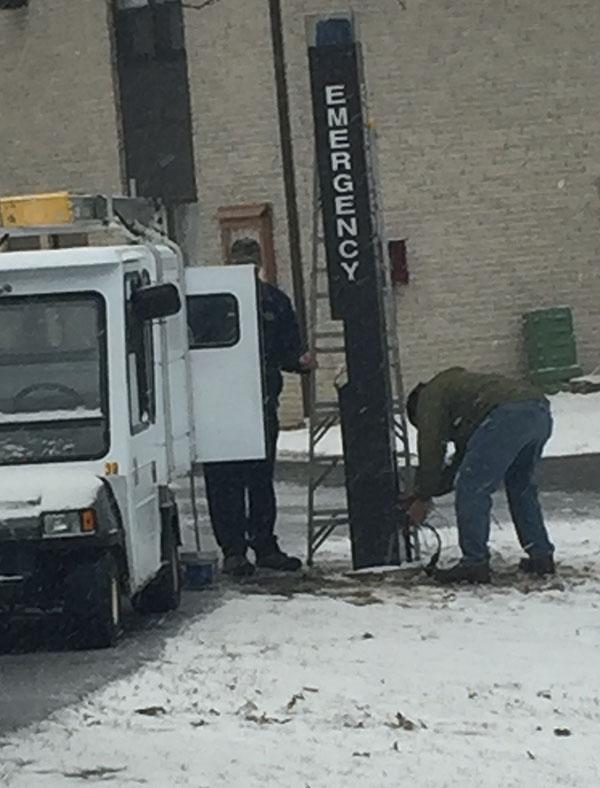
[(58, 124), (236, 133), (489, 148)]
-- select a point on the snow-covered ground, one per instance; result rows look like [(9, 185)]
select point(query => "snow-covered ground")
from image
[(331, 680), (576, 430)]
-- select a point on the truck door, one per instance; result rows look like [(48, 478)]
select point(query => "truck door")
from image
[(225, 351), (145, 438)]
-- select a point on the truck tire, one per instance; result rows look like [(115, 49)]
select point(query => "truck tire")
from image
[(93, 604), (164, 592), (5, 633)]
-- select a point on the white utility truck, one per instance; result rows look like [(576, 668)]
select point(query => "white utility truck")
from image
[(120, 371)]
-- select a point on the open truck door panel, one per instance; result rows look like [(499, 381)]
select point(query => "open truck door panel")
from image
[(119, 372), (224, 342)]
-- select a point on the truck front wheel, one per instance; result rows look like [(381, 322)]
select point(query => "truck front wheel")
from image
[(93, 604)]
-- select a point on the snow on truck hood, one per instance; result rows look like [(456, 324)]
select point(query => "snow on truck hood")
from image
[(26, 492)]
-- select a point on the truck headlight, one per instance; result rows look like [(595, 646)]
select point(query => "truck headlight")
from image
[(69, 523)]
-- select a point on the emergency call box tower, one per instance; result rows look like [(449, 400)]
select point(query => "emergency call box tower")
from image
[(355, 275)]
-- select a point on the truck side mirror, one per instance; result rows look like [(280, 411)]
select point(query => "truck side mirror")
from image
[(156, 301)]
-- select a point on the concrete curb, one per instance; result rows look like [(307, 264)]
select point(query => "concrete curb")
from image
[(576, 473)]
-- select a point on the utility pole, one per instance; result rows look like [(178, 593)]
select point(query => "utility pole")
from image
[(289, 175)]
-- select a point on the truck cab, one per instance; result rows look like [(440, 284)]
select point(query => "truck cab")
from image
[(120, 372)]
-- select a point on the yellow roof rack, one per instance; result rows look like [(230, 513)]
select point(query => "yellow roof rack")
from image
[(37, 210), (64, 212)]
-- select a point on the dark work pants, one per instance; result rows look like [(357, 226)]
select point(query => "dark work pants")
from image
[(506, 446), (241, 500)]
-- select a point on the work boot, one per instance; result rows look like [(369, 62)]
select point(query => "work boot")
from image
[(278, 560), (237, 566), (538, 566), (463, 573)]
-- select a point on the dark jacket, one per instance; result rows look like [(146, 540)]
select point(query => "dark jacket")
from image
[(282, 344), (450, 408)]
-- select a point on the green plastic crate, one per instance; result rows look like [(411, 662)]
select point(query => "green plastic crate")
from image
[(550, 346)]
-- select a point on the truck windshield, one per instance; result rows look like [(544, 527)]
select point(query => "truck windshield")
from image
[(53, 378)]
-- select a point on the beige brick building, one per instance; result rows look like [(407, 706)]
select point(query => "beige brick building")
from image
[(59, 119), (489, 147)]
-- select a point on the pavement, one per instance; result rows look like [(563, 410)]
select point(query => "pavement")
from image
[(39, 676)]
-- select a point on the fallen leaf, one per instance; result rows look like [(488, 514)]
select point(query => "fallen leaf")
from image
[(263, 719), (545, 694), (364, 601), (152, 711), (248, 707), (199, 723), (293, 700), (402, 722), (531, 755), (99, 771)]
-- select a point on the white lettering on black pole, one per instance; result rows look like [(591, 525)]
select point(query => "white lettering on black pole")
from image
[(346, 217)]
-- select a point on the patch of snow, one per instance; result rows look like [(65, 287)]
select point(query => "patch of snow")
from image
[(49, 415), (29, 491), (376, 570), (576, 431), (576, 425), (294, 443), (593, 378), (378, 684)]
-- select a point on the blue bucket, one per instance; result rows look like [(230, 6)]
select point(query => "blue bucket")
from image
[(199, 570)]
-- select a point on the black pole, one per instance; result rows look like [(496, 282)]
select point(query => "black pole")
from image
[(356, 293), (289, 175)]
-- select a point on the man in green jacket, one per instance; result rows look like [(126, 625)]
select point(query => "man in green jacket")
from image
[(499, 427)]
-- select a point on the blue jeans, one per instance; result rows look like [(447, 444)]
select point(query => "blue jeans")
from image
[(506, 446)]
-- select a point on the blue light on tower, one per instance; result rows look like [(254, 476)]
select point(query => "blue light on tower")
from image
[(334, 32)]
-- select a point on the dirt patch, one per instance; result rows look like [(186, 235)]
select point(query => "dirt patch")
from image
[(369, 588)]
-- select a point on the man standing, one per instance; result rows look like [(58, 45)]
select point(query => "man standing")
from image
[(499, 427), (241, 495)]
